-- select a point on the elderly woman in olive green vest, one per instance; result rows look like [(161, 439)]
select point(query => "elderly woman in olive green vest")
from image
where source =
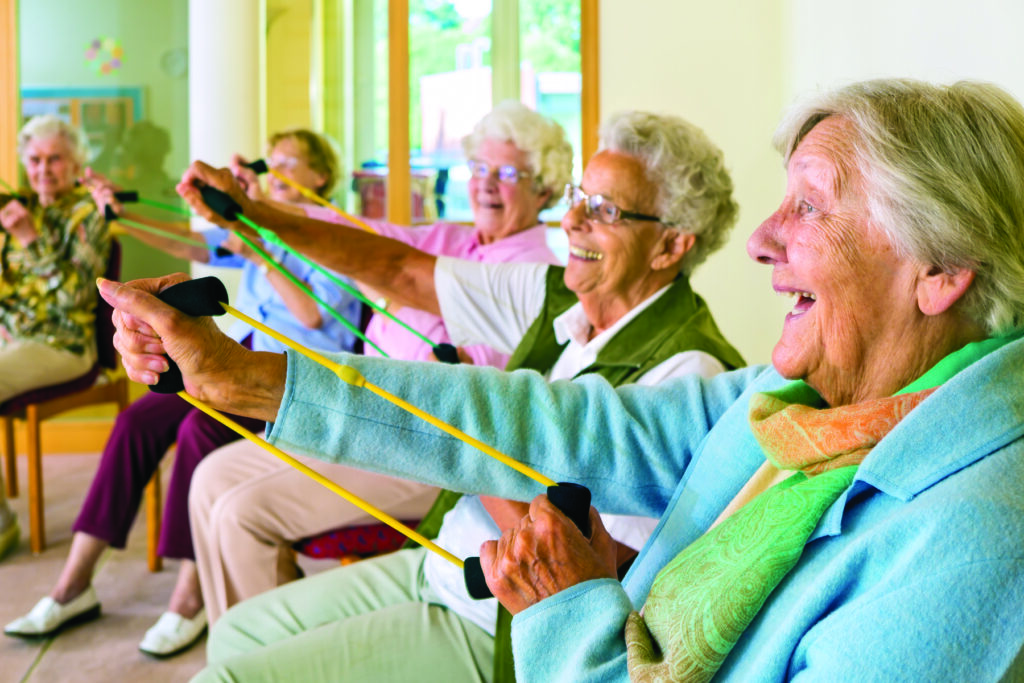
[(652, 205)]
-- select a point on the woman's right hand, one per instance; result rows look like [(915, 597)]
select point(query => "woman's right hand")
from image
[(246, 177), (17, 221), (198, 175), (215, 369)]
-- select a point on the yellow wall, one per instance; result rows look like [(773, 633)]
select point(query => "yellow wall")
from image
[(719, 65), (289, 25)]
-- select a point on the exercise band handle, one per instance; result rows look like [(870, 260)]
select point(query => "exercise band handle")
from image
[(259, 167), (574, 502), (195, 298), (126, 196), (221, 202)]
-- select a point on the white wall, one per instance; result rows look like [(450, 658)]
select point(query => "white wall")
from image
[(732, 66), (719, 65)]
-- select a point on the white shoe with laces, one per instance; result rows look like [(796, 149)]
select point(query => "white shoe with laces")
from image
[(173, 634), (48, 616)]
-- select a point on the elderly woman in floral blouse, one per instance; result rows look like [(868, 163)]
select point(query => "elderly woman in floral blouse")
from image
[(53, 246)]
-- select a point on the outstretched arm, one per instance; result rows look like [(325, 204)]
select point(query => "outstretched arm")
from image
[(400, 272)]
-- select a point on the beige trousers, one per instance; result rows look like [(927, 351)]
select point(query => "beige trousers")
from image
[(247, 507)]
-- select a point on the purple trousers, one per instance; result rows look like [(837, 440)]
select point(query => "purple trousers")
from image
[(140, 438)]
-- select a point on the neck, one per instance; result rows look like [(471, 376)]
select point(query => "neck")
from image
[(603, 311)]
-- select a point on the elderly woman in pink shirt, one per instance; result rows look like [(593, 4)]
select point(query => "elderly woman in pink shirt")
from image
[(247, 507)]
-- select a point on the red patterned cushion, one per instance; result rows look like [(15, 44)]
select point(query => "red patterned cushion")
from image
[(369, 539)]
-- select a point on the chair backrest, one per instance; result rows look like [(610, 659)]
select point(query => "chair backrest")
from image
[(106, 354)]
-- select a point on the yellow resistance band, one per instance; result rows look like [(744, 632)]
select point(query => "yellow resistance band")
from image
[(309, 194), (316, 476), (352, 376)]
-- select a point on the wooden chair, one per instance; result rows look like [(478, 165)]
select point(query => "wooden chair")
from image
[(104, 383), (352, 543)]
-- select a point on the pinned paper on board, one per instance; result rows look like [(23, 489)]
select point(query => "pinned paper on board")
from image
[(104, 55)]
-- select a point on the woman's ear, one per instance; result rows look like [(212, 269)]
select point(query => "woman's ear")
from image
[(675, 244), (938, 290)]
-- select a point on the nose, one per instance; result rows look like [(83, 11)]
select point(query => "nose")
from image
[(767, 245), (575, 218)]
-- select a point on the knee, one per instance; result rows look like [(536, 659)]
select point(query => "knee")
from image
[(207, 487), (228, 637)]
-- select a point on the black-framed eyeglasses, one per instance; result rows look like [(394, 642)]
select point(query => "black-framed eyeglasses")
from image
[(601, 208), (507, 173)]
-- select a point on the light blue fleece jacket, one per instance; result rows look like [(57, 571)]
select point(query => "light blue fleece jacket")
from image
[(916, 573)]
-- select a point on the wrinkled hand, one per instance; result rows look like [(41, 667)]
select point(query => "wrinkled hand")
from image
[(545, 554), (246, 177), (102, 190), (214, 367), (16, 220), (199, 174)]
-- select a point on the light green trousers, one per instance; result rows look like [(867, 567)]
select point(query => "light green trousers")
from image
[(373, 620)]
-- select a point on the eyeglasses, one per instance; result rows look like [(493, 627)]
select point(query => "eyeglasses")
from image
[(601, 208), (507, 173), (283, 162)]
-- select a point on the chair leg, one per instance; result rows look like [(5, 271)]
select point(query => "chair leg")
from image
[(153, 522), (10, 457), (36, 522)]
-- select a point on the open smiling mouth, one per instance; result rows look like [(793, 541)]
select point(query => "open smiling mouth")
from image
[(585, 254), (804, 301)]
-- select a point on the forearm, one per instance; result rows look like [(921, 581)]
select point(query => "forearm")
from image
[(296, 299), (169, 245), (398, 271)]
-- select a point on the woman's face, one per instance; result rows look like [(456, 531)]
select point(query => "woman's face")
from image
[(616, 261), (855, 313), (289, 158), (501, 209), (50, 167)]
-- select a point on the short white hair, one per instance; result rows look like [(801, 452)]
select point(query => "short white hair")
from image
[(944, 167), (48, 126), (694, 189), (540, 137)]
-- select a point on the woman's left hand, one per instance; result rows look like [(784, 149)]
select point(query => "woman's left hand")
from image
[(545, 554), (16, 220), (102, 191)]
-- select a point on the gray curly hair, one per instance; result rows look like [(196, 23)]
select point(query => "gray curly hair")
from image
[(694, 188), (944, 168), (542, 138), (50, 126)]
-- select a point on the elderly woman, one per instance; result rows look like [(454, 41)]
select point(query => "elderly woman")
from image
[(247, 507), (145, 431), (659, 201), (53, 245), (864, 492)]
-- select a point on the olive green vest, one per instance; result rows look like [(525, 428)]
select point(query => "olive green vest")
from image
[(678, 321)]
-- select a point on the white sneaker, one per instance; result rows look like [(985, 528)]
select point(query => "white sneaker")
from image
[(49, 616), (173, 634)]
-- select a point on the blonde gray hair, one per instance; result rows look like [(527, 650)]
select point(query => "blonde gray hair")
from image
[(694, 187), (320, 156), (944, 173), (541, 138), (48, 126)]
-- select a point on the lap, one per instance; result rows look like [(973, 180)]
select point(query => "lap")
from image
[(26, 365), (367, 619)]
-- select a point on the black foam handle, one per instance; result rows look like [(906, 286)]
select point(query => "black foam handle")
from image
[(222, 252), (109, 213), (574, 502), (259, 167), (127, 196), (195, 298), (220, 202), (446, 353)]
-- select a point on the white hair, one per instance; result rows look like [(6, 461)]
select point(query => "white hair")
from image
[(944, 168), (48, 126), (694, 187), (541, 138)]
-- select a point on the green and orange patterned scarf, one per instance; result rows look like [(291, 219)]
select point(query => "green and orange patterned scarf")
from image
[(703, 600)]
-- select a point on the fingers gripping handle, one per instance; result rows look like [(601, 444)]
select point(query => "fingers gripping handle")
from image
[(574, 502), (259, 167), (220, 202), (195, 298)]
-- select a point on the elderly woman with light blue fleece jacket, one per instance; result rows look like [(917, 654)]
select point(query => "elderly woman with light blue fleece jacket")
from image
[(853, 512)]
